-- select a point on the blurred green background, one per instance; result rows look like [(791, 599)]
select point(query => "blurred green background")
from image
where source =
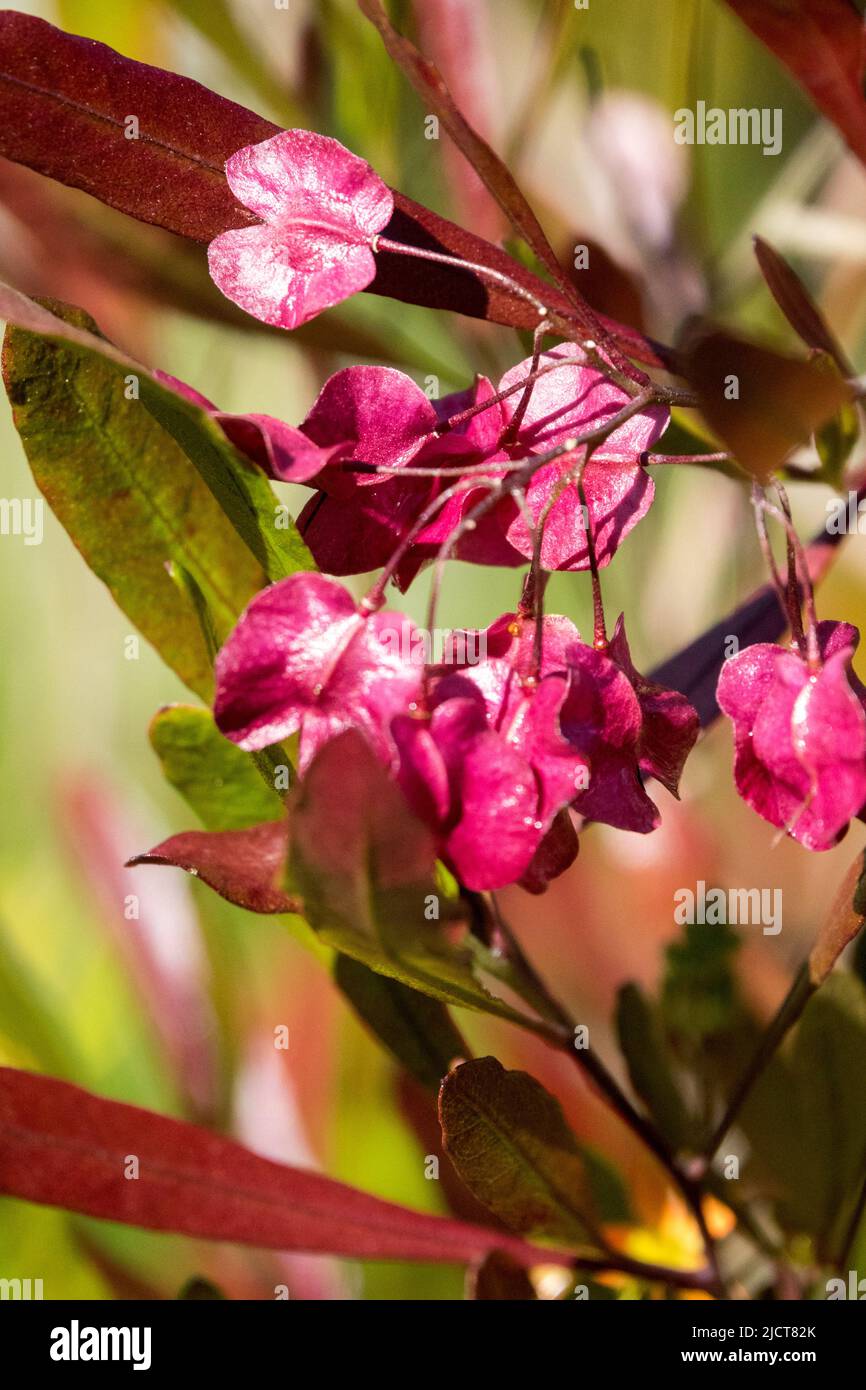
[(176, 1010)]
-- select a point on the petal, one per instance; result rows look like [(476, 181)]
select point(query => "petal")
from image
[(303, 658), (573, 398), (283, 275), (670, 723), (379, 415), (619, 493), (301, 174), (498, 832), (556, 853)]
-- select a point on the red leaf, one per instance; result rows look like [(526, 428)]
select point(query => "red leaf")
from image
[(823, 43), (797, 304), (243, 866), (65, 1147), (63, 105)]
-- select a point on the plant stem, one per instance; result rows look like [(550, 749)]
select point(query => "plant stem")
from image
[(561, 1034), (789, 1011)]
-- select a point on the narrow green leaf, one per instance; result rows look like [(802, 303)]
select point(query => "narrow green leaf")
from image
[(508, 1139), (128, 497), (644, 1047), (415, 1029), (216, 778)]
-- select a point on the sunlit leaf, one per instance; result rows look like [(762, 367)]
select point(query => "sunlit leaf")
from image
[(65, 1147), (244, 866), (127, 495), (761, 403), (366, 878), (219, 781)]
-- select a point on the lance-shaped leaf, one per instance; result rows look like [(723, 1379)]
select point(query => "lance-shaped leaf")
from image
[(645, 1049), (220, 782), (244, 866), (365, 876), (415, 1029), (761, 403), (494, 173), (822, 43), (128, 497), (64, 104), (65, 1147), (241, 490), (842, 924), (509, 1141), (797, 304)]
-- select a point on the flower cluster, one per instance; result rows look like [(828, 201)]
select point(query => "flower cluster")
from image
[(490, 755), (500, 758)]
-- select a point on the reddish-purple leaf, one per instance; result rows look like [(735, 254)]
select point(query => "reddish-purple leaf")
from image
[(65, 1147), (64, 101), (797, 304), (244, 866), (822, 43)]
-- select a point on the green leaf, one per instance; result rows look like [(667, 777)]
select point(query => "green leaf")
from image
[(216, 778), (509, 1141), (835, 441), (644, 1047), (699, 999), (415, 1029), (127, 496), (366, 879), (241, 489), (805, 1119)]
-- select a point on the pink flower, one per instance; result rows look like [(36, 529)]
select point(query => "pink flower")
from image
[(303, 659), (320, 206), (472, 787), (799, 735), (358, 525), (619, 724)]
